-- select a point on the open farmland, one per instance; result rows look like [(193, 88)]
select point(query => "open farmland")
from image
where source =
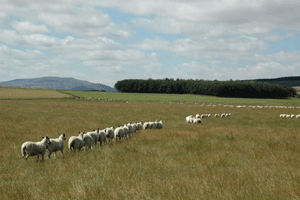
[(180, 98), (29, 93), (253, 154)]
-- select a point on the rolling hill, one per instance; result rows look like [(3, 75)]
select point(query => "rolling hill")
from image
[(58, 83)]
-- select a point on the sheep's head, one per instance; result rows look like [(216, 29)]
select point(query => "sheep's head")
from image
[(62, 136), (47, 141)]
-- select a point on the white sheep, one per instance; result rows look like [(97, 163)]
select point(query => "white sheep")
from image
[(88, 140), (102, 136), (189, 118), (196, 120), (57, 145), (94, 135), (153, 125), (140, 126), (119, 133), (160, 124), (146, 125), (223, 115), (110, 134), (227, 114), (217, 115), (35, 148), (76, 142)]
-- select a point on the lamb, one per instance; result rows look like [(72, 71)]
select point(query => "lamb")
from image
[(110, 134), (102, 136), (57, 145), (35, 148), (76, 142), (94, 136)]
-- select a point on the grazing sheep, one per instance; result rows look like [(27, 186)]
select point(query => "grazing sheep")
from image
[(94, 136), (198, 116), (35, 148), (76, 142), (102, 136), (110, 134), (57, 145), (217, 115), (223, 115)]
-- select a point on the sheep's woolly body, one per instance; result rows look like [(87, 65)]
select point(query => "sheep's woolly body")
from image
[(94, 136), (102, 136), (110, 134), (119, 133), (76, 142), (57, 145), (146, 125), (88, 140), (35, 148)]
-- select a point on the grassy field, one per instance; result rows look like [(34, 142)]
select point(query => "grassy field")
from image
[(184, 98), (29, 93), (253, 154)]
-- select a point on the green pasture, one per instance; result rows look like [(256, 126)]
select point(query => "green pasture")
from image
[(183, 98), (254, 154)]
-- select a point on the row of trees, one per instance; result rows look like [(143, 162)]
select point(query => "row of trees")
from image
[(243, 89)]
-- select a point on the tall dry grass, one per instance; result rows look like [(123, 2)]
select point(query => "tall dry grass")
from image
[(252, 155)]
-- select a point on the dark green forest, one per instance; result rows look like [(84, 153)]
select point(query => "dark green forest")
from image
[(290, 81), (240, 89)]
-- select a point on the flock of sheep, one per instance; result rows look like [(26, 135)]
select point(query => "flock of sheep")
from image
[(198, 117), (290, 115), (84, 140)]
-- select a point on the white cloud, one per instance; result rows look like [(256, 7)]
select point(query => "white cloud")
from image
[(26, 27)]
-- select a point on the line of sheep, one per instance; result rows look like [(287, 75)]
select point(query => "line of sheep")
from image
[(198, 117), (290, 115), (84, 140)]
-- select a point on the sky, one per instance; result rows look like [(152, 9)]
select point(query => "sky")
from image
[(107, 41)]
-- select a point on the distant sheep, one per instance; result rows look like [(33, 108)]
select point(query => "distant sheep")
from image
[(57, 145), (35, 148), (189, 119), (160, 124), (217, 115), (196, 120), (76, 142), (146, 125)]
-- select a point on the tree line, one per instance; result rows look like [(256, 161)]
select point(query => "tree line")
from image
[(241, 89)]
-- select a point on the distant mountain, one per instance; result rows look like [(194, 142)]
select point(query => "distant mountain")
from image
[(290, 81), (58, 83)]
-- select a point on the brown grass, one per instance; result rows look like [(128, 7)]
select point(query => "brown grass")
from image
[(181, 161), (29, 93)]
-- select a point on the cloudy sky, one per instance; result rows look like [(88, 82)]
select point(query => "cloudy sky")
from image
[(106, 41)]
